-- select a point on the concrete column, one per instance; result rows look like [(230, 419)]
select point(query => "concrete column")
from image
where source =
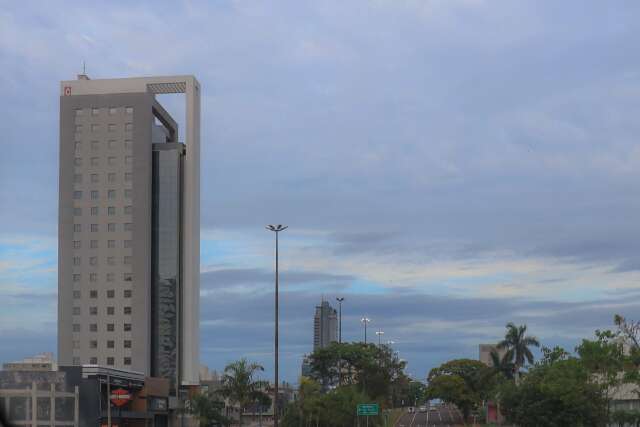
[(76, 409), (34, 405), (52, 406)]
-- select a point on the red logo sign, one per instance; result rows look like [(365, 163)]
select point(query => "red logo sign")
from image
[(120, 397), (67, 90)]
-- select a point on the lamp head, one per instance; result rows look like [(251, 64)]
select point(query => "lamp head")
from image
[(276, 228)]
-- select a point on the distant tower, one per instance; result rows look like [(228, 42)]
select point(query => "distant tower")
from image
[(325, 326)]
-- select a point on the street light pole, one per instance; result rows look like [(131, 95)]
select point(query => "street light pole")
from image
[(379, 333), (340, 299), (365, 320), (276, 229)]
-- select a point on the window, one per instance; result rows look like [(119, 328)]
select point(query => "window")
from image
[(127, 160), (95, 145), (77, 211), (93, 344), (77, 178), (77, 161), (93, 294), (93, 244), (111, 194), (111, 178), (111, 227), (77, 195), (111, 127), (78, 128), (128, 110), (93, 277), (95, 178), (111, 293), (127, 361), (127, 343), (93, 311), (77, 146), (127, 176), (128, 226), (110, 277), (75, 361), (76, 260), (75, 344), (111, 311), (95, 161), (94, 210), (112, 144), (111, 260), (77, 228), (127, 144), (127, 260), (112, 111), (111, 327), (76, 294), (79, 112), (127, 193), (128, 127), (95, 195), (128, 210), (76, 327), (127, 327), (110, 361), (111, 344), (76, 277), (127, 293), (128, 277), (77, 244), (95, 127), (93, 260), (127, 243), (111, 161), (111, 244), (76, 311), (93, 360), (127, 310), (111, 210), (94, 228), (95, 111), (93, 327)]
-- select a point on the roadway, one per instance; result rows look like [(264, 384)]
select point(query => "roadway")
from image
[(444, 416)]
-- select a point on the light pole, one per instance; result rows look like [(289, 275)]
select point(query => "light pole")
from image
[(379, 333), (365, 320), (340, 299), (276, 229)]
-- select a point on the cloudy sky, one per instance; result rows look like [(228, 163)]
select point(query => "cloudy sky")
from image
[(445, 165)]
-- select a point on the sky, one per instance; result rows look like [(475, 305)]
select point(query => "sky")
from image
[(445, 166)]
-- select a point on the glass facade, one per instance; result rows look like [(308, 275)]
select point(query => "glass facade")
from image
[(166, 259)]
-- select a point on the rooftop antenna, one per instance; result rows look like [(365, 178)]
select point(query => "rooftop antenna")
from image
[(84, 67)]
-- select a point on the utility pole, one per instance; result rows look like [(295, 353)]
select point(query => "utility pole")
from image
[(340, 299)]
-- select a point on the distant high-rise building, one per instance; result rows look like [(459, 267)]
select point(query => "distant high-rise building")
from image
[(325, 326), (129, 227)]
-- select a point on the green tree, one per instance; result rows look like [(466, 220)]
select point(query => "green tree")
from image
[(502, 365), (208, 408), (517, 344), (240, 386)]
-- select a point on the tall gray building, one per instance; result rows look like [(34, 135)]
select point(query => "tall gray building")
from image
[(129, 227), (325, 326)]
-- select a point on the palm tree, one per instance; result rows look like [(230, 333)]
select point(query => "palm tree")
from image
[(517, 345), (503, 364), (240, 386)]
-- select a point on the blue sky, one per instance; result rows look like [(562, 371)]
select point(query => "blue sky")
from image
[(447, 166)]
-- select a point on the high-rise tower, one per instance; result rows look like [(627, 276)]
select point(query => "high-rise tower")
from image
[(129, 227), (325, 326)]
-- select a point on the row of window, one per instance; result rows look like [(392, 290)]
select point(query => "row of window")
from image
[(94, 361), (111, 210), (93, 327), (110, 344), (95, 161), (93, 260), (93, 277), (111, 227), (112, 144), (111, 110), (111, 293), (93, 311), (94, 244), (94, 178), (95, 194), (111, 127)]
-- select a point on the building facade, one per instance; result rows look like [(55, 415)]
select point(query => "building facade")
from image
[(129, 227), (325, 326)]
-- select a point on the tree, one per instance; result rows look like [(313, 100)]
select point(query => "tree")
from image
[(517, 345), (502, 365), (560, 393), (208, 408), (240, 386)]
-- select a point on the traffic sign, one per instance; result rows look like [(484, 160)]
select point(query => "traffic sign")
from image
[(368, 409)]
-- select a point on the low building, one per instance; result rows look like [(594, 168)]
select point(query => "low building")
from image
[(485, 353), (41, 362)]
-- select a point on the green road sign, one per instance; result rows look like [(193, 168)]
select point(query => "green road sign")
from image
[(368, 409)]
